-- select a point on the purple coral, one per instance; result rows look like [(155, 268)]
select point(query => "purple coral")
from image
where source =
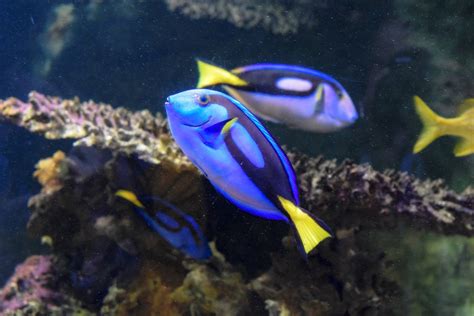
[(35, 289)]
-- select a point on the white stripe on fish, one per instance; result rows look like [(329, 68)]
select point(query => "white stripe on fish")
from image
[(294, 84)]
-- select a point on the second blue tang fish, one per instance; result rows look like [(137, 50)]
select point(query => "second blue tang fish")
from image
[(178, 228), (241, 159), (299, 97)]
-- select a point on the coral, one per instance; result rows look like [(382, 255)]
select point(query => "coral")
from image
[(274, 15), (99, 125), (113, 263), (213, 291), (147, 292), (35, 289), (201, 288), (363, 190), (48, 172), (197, 288)]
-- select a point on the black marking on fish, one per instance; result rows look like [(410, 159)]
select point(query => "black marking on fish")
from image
[(265, 81), (273, 178)]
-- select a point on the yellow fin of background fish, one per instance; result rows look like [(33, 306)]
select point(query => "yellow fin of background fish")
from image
[(129, 196), (466, 105), (430, 122), (464, 147), (309, 231), (210, 75)]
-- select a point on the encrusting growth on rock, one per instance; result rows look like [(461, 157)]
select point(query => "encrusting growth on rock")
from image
[(48, 171), (96, 124)]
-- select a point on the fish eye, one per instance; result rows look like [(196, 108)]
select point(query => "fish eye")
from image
[(339, 93), (202, 99)]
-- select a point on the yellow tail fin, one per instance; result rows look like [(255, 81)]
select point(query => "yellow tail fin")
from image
[(210, 75), (430, 122), (310, 230), (129, 196)]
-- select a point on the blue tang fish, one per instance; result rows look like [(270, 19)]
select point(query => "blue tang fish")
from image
[(241, 159), (176, 227), (299, 97)]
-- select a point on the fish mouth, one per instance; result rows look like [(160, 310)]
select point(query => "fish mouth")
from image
[(200, 124)]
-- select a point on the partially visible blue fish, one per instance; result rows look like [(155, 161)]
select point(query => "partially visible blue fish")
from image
[(299, 97), (179, 229), (241, 159)]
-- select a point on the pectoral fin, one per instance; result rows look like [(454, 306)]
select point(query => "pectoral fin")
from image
[(214, 135), (320, 99)]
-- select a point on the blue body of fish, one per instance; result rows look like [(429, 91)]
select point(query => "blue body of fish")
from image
[(239, 157)]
